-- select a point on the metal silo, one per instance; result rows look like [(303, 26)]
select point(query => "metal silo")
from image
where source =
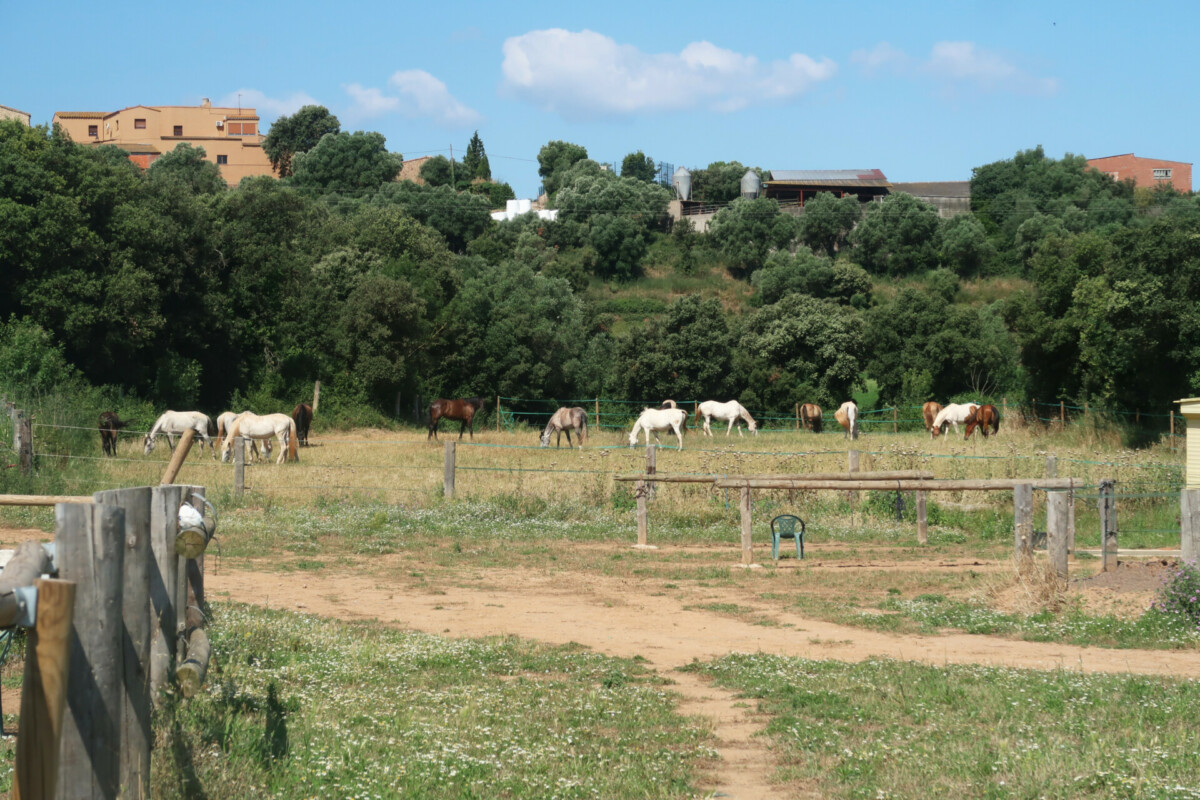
[(751, 184), (682, 181)]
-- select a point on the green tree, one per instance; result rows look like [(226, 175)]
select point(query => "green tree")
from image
[(459, 216), (297, 133), (475, 162), (555, 158), (439, 171), (351, 164), (686, 355), (719, 182), (188, 164), (899, 236), (828, 220), (965, 246), (746, 231), (639, 166)]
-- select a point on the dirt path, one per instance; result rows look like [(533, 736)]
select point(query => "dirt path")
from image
[(618, 616)]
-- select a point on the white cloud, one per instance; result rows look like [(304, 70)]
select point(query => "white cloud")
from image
[(267, 107), (956, 64), (415, 94), (586, 74)]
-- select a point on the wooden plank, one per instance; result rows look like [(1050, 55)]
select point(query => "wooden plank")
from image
[(42, 499), (983, 485), (1023, 519), (747, 526), (1056, 531), (136, 737), (91, 552), (192, 671), (1189, 524), (922, 520), (44, 692)]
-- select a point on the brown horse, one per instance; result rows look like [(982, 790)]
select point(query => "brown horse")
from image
[(985, 417), (302, 415), (810, 417), (930, 411), (110, 423), (462, 409)]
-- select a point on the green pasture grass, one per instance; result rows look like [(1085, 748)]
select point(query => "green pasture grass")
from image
[(893, 729), (302, 707)]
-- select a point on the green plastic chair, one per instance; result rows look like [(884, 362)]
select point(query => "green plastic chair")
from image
[(784, 527)]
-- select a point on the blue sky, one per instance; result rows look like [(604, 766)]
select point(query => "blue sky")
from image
[(921, 90)]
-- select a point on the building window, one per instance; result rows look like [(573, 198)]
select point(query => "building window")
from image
[(178, 131), (222, 159), (139, 124), (242, 128), (93, 130), (1162, 174)]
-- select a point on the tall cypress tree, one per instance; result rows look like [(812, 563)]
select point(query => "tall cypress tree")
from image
[(475, 162)]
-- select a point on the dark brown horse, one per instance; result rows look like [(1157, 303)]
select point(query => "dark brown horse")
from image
[(302, 416), (985, 417), (463, 409), (110, 423), (810, 417)]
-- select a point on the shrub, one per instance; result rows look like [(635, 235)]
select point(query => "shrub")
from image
[(1179, 597)]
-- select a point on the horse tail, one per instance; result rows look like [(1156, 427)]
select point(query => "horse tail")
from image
[(293, 453)]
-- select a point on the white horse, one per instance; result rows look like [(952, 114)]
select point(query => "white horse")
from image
[(847, 415), (952, 414), (223, 424), (252, 426), (174, 423), (654, 420), (729, 412), (564, 420)]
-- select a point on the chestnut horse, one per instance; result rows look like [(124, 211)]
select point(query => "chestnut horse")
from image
[(110, 423), (847, 416), (302, 415), (930, 411), (985, 417), (810, 417), (462, 409)]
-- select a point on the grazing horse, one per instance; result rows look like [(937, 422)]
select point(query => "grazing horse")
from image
[(810, 417), (302, 415), (463, 409), (847, 416), (110, 423), (930, 411), (953, 414), (654, 420), (252, 426), (225, 420), (985, 416), (174, 423), (564, 420), (729, 412)]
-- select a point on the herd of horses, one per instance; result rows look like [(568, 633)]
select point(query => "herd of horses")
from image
[(256, 430)]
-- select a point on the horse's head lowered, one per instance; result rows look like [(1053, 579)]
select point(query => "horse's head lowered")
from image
[(149, 444)]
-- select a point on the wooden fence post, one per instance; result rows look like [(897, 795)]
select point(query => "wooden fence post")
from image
[(239, 466), (135, 613), (652, 467), (1189, 524), (1051, 466), (895, 420), (44, 692), (90, 551), (643, 521), (1062, 415), (1023, 518), (316, 396), (922, 520), (448, 470), (1172, 439), (598, 428), (797, 416), (164, 528), (1108, 526), (178, 457), (747, 525), (23, 442), (852, 466), (1056, 531)]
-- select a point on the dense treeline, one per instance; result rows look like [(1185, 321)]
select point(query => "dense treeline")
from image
[(179, 289)]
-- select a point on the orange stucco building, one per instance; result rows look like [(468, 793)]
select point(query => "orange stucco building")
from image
[(1147, 172), (230, 136)]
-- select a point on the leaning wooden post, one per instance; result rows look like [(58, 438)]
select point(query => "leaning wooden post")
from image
[(1189, 524), (1108, 526), (44, 692), (164, 528), (448, 470), (178, 457), (922, 520), (1023, 518), (90, 550), (135, 613), (747, 525), (239, 466), (1056, 531), (316, 396)]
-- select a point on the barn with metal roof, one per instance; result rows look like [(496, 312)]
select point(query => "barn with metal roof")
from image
[(799, 185)]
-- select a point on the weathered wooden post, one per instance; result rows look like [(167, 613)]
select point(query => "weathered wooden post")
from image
[(164, 528), (44, 692), (852, 466), (598, 428), (1062, 415), (1108, 526), (1189, 524), (239, 466), (643, 521), (90, 550), (24, 428), (652, 467), (895, 420), (135, 613), (747, 525), (1056, 531), (1172, 439), (1023, 518), (448, 470), (1051, 466), (922, 520), (178, 457), (194, 649), (797, 416), (497, 413), (316, 396)]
